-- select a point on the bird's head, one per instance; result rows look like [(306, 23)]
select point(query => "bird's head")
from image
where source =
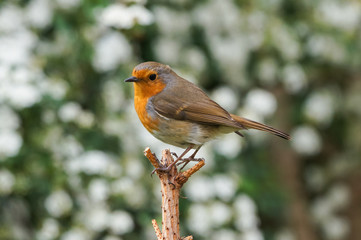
[(150, 78)]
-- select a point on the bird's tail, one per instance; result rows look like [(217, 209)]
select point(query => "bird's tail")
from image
[(249, 124)]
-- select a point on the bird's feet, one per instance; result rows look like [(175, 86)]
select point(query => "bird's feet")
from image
[(185, 161), (162, 169), (181, 161)]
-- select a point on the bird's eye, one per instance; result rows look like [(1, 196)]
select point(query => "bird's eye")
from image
[(152, 76)]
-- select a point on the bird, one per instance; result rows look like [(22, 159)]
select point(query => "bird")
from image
[(179, 113)]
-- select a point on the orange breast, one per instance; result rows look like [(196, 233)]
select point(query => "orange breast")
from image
[(143, 91), (148, 122)]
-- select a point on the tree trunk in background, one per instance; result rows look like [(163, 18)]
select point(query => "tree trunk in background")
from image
[(354, 210), (354, 149), (288, 166)]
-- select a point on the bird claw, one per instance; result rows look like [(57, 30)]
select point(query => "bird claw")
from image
[(170, 183), (151, 175), (185, 161), (162, 169), (178, 161)]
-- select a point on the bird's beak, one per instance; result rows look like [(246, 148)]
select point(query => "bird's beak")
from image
[(131, 79)]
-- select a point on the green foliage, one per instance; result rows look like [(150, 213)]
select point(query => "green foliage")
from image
[(71, 163)]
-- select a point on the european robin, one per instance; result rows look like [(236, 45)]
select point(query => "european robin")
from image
[(179, 113)]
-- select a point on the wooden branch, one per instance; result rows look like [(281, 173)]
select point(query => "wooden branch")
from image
[(171, 183), (152, 158), (188, 238), (182, 177), (157, 230)]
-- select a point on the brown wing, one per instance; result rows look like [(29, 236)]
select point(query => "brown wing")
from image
[(189, 103)]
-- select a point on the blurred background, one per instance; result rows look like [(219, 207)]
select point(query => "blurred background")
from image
[(71, 144)]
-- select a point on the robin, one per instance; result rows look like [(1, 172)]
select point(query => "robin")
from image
[(179, 113)]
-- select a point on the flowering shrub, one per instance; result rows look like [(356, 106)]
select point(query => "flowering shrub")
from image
[(71, 163)]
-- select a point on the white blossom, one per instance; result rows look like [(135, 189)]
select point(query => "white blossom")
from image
[(122, 185), (200, 188), (75, 233), (11, 18), (246, 222), (20, 87), (85, 119), (69, 111), (7, 181), (135, 169), (228, 145), (232, 55), (224, 186), (58, 203), (246, 217), (92, 162), (286, 42), (194, 58), (24, 95), (198, 219), (344, 15), (231, 17), (171, 22), (306, 140), (261, 101), (133, 192), (111, 50), (98, 190), (226, 97), (321, 209), (49, 230), (141, 15), (253, 234), (294, 78), (56, 88), (68, 4), (220, 213), (96, 217), (320, 107), (336, 228), (73, 112), (120, 16), (267, 71), (324, 211), (224, 234), (10, 143), (326, 47), (39, 13), (339, 196), (113, 96), (15, 48), (120, 222), (70, 147), (167, 50), (9, 120), (112, 238)]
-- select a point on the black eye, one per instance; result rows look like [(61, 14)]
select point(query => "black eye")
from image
[(152, 76)]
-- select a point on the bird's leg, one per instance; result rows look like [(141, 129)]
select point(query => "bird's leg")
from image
[(191, 158), (167, 169), (195, 152)]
